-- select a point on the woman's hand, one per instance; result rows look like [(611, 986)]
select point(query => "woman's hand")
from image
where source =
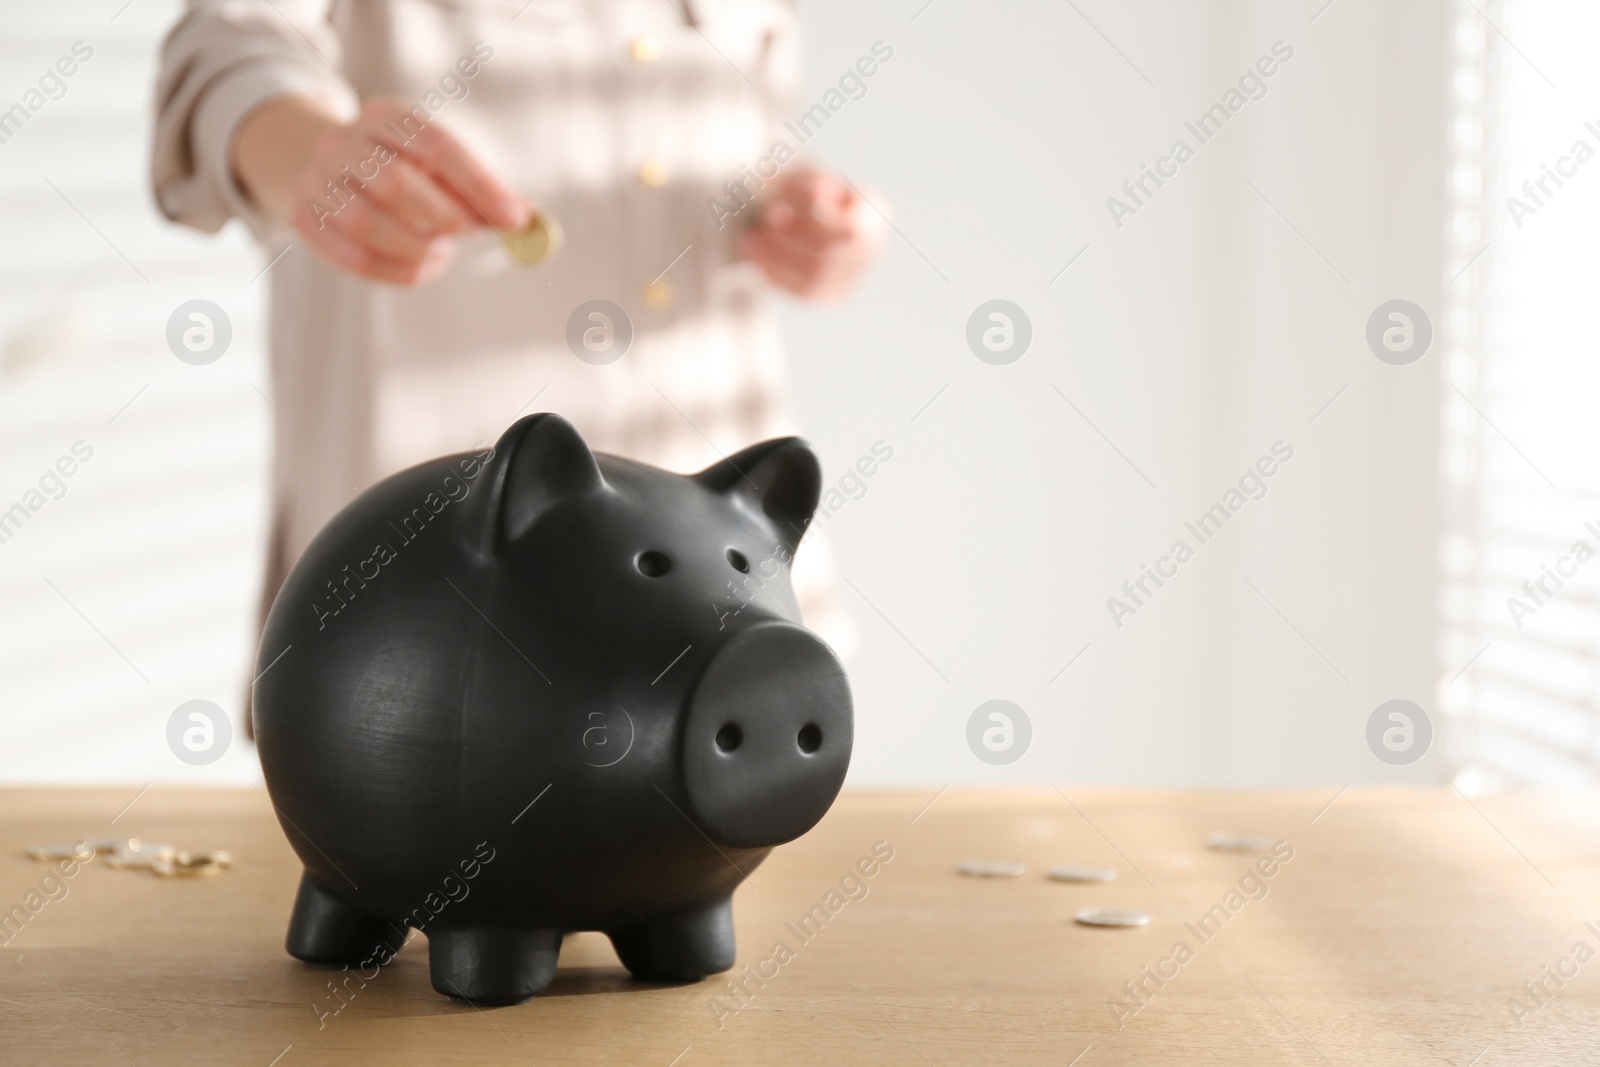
[(382, 196), (815, 236)]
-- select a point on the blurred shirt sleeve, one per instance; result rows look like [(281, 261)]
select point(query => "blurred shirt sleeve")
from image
[(221, 60)]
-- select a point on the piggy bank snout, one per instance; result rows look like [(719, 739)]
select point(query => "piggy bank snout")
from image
[(767, 736)]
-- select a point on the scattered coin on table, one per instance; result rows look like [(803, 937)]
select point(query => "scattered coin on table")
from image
[(991, 869), (112, 844), (137, 853), (191, 865), (1111, 917), (79, 851), (130, 853), (1080, 874), (1228, 841)]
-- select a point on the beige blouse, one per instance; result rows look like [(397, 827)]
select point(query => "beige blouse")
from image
[(621, 118)]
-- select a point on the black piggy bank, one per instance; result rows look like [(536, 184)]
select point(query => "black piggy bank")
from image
[(511, 694)]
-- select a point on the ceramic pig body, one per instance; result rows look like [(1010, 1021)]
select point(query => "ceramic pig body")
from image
[(508, 695)]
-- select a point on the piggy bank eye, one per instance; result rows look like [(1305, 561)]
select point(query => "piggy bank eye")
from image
[(653, 564), (736, 558)]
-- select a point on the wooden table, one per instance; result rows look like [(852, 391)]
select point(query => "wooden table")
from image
[(1401, 931)]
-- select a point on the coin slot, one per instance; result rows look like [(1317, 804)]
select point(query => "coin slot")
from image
[(653, 564), (736, 558), (810, 738), (729, 737)]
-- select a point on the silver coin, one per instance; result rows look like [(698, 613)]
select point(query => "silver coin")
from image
[(1080, 874), (1228, 841), (1111, 917), (991, 869), (141, 854), (80, 851), (112, 844)]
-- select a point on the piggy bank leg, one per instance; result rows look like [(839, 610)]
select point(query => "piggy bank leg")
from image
[(325, 928), (492, 965), (684, 947)]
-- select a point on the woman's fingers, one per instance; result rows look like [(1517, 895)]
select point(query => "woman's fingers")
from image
[(814, 205), (796, 269), (356, 254), (383, 194), (409, 194), (448, 161), (388, 235), (801, 256), (816, 236)]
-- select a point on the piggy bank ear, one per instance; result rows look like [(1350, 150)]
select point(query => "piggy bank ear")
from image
[(538, 463), (781, 478)]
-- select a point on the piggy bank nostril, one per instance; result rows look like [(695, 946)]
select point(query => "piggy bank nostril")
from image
[(737, 560), (653, 564), (785, 693)]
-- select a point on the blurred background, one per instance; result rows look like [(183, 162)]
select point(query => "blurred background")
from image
[(1176, 340)]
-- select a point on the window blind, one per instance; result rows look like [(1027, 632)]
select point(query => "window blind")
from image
[(130, 588), (1521, 552)]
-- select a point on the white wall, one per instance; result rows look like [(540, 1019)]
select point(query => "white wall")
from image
[(1193, 337), (134, 592), (1196, 335)]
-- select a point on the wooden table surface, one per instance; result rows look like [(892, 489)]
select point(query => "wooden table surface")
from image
[(1402, 930)]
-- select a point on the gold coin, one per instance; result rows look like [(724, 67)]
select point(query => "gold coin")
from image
[(646, 49), (220, 856), (537, 240), (188, 865)]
